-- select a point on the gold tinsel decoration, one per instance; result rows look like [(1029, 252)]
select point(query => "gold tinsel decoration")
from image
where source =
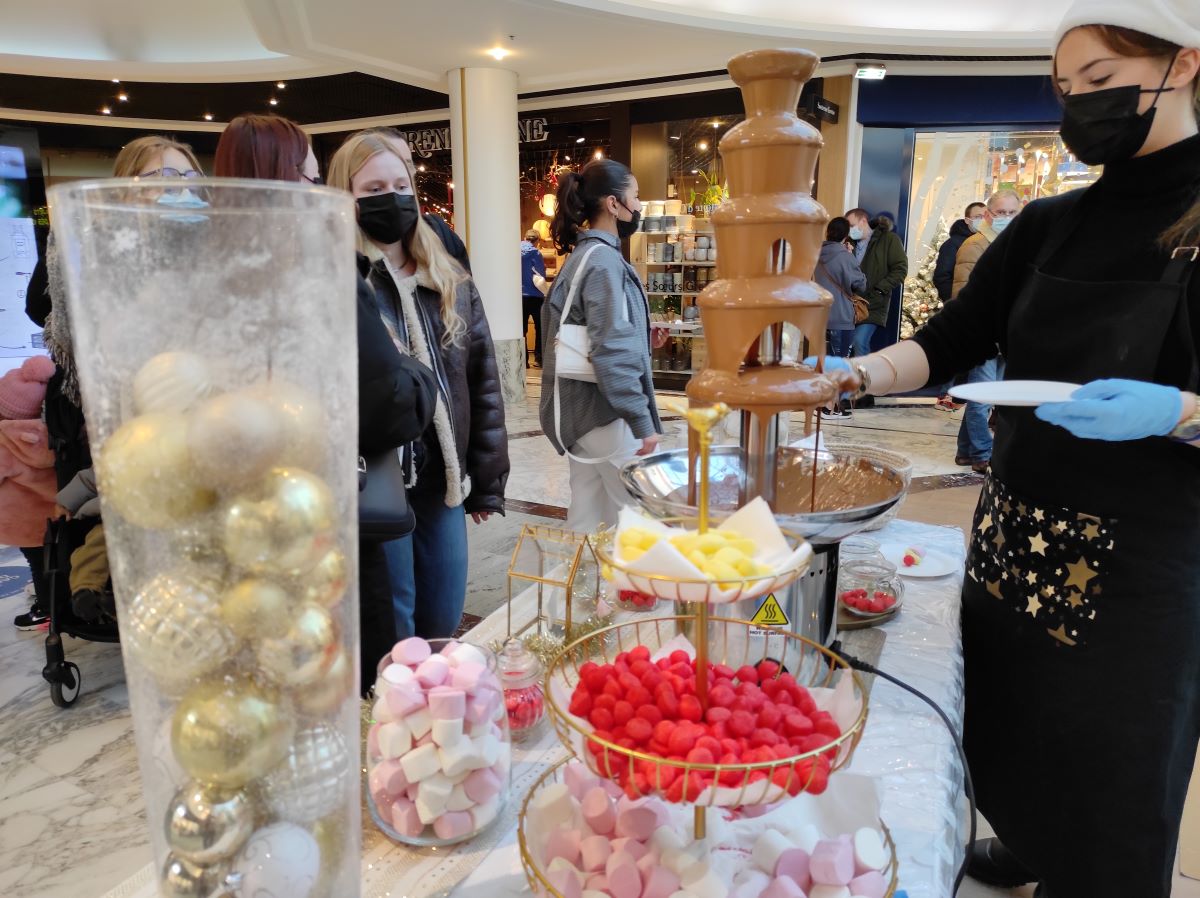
[(548, 647)]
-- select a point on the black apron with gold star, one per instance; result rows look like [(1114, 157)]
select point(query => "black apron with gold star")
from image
[(1081, 603)]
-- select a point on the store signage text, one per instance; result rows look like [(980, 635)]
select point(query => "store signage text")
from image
[(826, 110), (427, 141)]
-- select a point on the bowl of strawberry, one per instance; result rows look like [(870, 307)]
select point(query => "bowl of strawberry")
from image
[(634, 601), (864, 604)]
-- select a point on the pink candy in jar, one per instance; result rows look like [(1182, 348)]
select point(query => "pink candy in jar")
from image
[(521, 674)]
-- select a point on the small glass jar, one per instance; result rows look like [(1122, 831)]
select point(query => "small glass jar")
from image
[(856, 548), (521, 676), (439, 751), (634, 601), (870, 587)]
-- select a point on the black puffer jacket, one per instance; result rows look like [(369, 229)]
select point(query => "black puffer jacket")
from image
[(471, 382)]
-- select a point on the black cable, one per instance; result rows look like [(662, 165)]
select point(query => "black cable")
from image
[(968, 785)]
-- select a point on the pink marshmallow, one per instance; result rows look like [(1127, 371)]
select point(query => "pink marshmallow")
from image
[(373, 740), (477, 710), (405, 819), (466, 676), (433, 671), (388, 777), (482, 785), (751, 811), (411, 651), (450, 646), (640, 819), (427, 739), (579, 779), (783, 887), (871, 884), (598, 811), (597, 882), (832, 863), (595, 852), (632, 847), (447, 703), (453, 825), (646, 863), (404, 700), (412, 790), (795, 863), (565, 883), (564, 843), (624, 878), (612, 788), (659, 882)]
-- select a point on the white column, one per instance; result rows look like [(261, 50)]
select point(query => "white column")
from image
[(487, 205)]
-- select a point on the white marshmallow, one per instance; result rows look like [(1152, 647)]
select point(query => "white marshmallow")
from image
[(489, 750), (432, 797), (668, 837), (396, 675), (419, 722), (459, 800), (682, 893), (553, 806), (458, 777), (421, 763), (380, 712), (820, 891), (561, 863), (485, 813), (677, 860), (395, 741), (806, 837), (702, 881), (767, 849), (447, 732), (591, 893), (461, 757), (464, 652), (869, 850)]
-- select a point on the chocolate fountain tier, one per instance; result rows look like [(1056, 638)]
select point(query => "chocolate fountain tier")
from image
[(771, 80), (769, 390), (749, 230), (853, 490)]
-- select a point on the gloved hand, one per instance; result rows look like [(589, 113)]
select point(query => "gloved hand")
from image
[(840, 371), (832, 363), (1116, 410)]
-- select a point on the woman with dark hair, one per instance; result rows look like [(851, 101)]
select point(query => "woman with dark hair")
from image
[(395, 391), (601, 425), (1081, 601)]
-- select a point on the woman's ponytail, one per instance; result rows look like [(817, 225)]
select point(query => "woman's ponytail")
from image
[(570, 214)]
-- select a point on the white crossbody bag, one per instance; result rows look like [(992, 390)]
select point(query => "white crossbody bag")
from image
[(573, 355)]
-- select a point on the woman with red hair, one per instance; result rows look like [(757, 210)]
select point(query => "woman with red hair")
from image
[(265, 146)]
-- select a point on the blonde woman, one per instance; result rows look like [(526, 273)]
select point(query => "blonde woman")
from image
[(434, 312)]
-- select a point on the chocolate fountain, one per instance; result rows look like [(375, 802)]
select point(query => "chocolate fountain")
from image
[(770, 233)]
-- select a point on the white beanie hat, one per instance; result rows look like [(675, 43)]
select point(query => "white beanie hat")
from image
[(1177, 21)]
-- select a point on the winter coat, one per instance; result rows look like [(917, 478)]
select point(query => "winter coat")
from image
[(838, 272), (943, 272), (450, 239), (532, 264), (469, 385), (969, 255), (27, 482), (611, 302), (885, 265)]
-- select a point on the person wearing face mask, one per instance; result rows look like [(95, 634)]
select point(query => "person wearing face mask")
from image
[(881, 257), (1081, 600), (961, 231), (434, 313), (602, 425), (395, 391)]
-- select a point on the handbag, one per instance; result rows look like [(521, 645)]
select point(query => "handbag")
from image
[(383, 510), (572, 345), (862, 308)]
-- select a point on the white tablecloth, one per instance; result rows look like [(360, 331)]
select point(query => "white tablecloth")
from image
[(905, 746)]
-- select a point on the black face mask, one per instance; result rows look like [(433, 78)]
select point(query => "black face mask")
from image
[(1104, 126), (388, 218), (626, 229)]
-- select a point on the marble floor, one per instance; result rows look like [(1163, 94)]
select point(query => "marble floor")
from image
[(71, 817)]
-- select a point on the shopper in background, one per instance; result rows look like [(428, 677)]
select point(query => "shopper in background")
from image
[(600, 426), (533, 289), (395, 392), (974, 434), (943, 272), (838, 272), (446, 234), (433, 310), (1081, 600), (881, 257)]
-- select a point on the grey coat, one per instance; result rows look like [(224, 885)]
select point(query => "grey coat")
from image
[(624, 385), (838, 272)]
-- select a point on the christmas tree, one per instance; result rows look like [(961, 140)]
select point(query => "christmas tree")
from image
[(921, 299)]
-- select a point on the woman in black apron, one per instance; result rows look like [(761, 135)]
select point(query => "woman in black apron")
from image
[(1081, 601)]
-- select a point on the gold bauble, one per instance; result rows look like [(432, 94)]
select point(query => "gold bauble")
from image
[(254, 607), (302, 653), (205, 824), (284, 525), (305, 426), (172, 382), (146, 474), (326, 583), (174, 630), (230, 731), (235, 439), (183, 879), (330, 833), (325, 696)]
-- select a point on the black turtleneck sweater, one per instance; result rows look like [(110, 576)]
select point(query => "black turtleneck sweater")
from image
[(1127, 209)]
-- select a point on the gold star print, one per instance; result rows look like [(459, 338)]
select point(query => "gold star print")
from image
[(1034, 605), (998, 539), (1039, 515), (1061, 635), (993, 587), (984, 523), (1091, 531), (1031, 578), (1074, 598), (1080, 574), (1059, 528), (1048, 591), (1037, 544), (1021, 509)]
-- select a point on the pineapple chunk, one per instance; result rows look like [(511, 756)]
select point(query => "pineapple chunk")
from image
[(729, 555), (710, 543), (747, 547)]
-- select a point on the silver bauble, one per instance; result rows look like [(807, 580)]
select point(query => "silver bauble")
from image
[(172, 382), (183, 879), (279, 861), (303, 653), (305, 426), (285, 524), (174, 630), (235, 439), (205, 824), (313, 779)]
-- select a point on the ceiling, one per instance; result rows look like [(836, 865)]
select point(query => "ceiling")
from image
[(554, 44)]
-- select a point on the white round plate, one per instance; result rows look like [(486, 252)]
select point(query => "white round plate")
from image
[(933, 564), (1026, 393)]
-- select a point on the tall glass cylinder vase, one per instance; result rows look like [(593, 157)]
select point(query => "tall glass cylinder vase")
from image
[(215, 339)]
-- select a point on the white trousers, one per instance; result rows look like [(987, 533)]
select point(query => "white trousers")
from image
[(597, 493)]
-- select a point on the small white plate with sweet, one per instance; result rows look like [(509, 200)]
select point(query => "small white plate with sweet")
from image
[(917, 561)]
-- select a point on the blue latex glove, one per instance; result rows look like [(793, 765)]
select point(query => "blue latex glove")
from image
[(1116, 410), (832, 363)]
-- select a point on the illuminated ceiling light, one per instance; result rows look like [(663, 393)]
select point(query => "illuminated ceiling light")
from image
[(497, 53), (716, 124), (282, 85), (870, 72), (123, 97), (695, 171), (420, 168), (702, 145), (580, 139), (273, 101), (599, 154), (116, 81), (104, 110), (674, 137), (567, 158), (450, 184), (208, 116)]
